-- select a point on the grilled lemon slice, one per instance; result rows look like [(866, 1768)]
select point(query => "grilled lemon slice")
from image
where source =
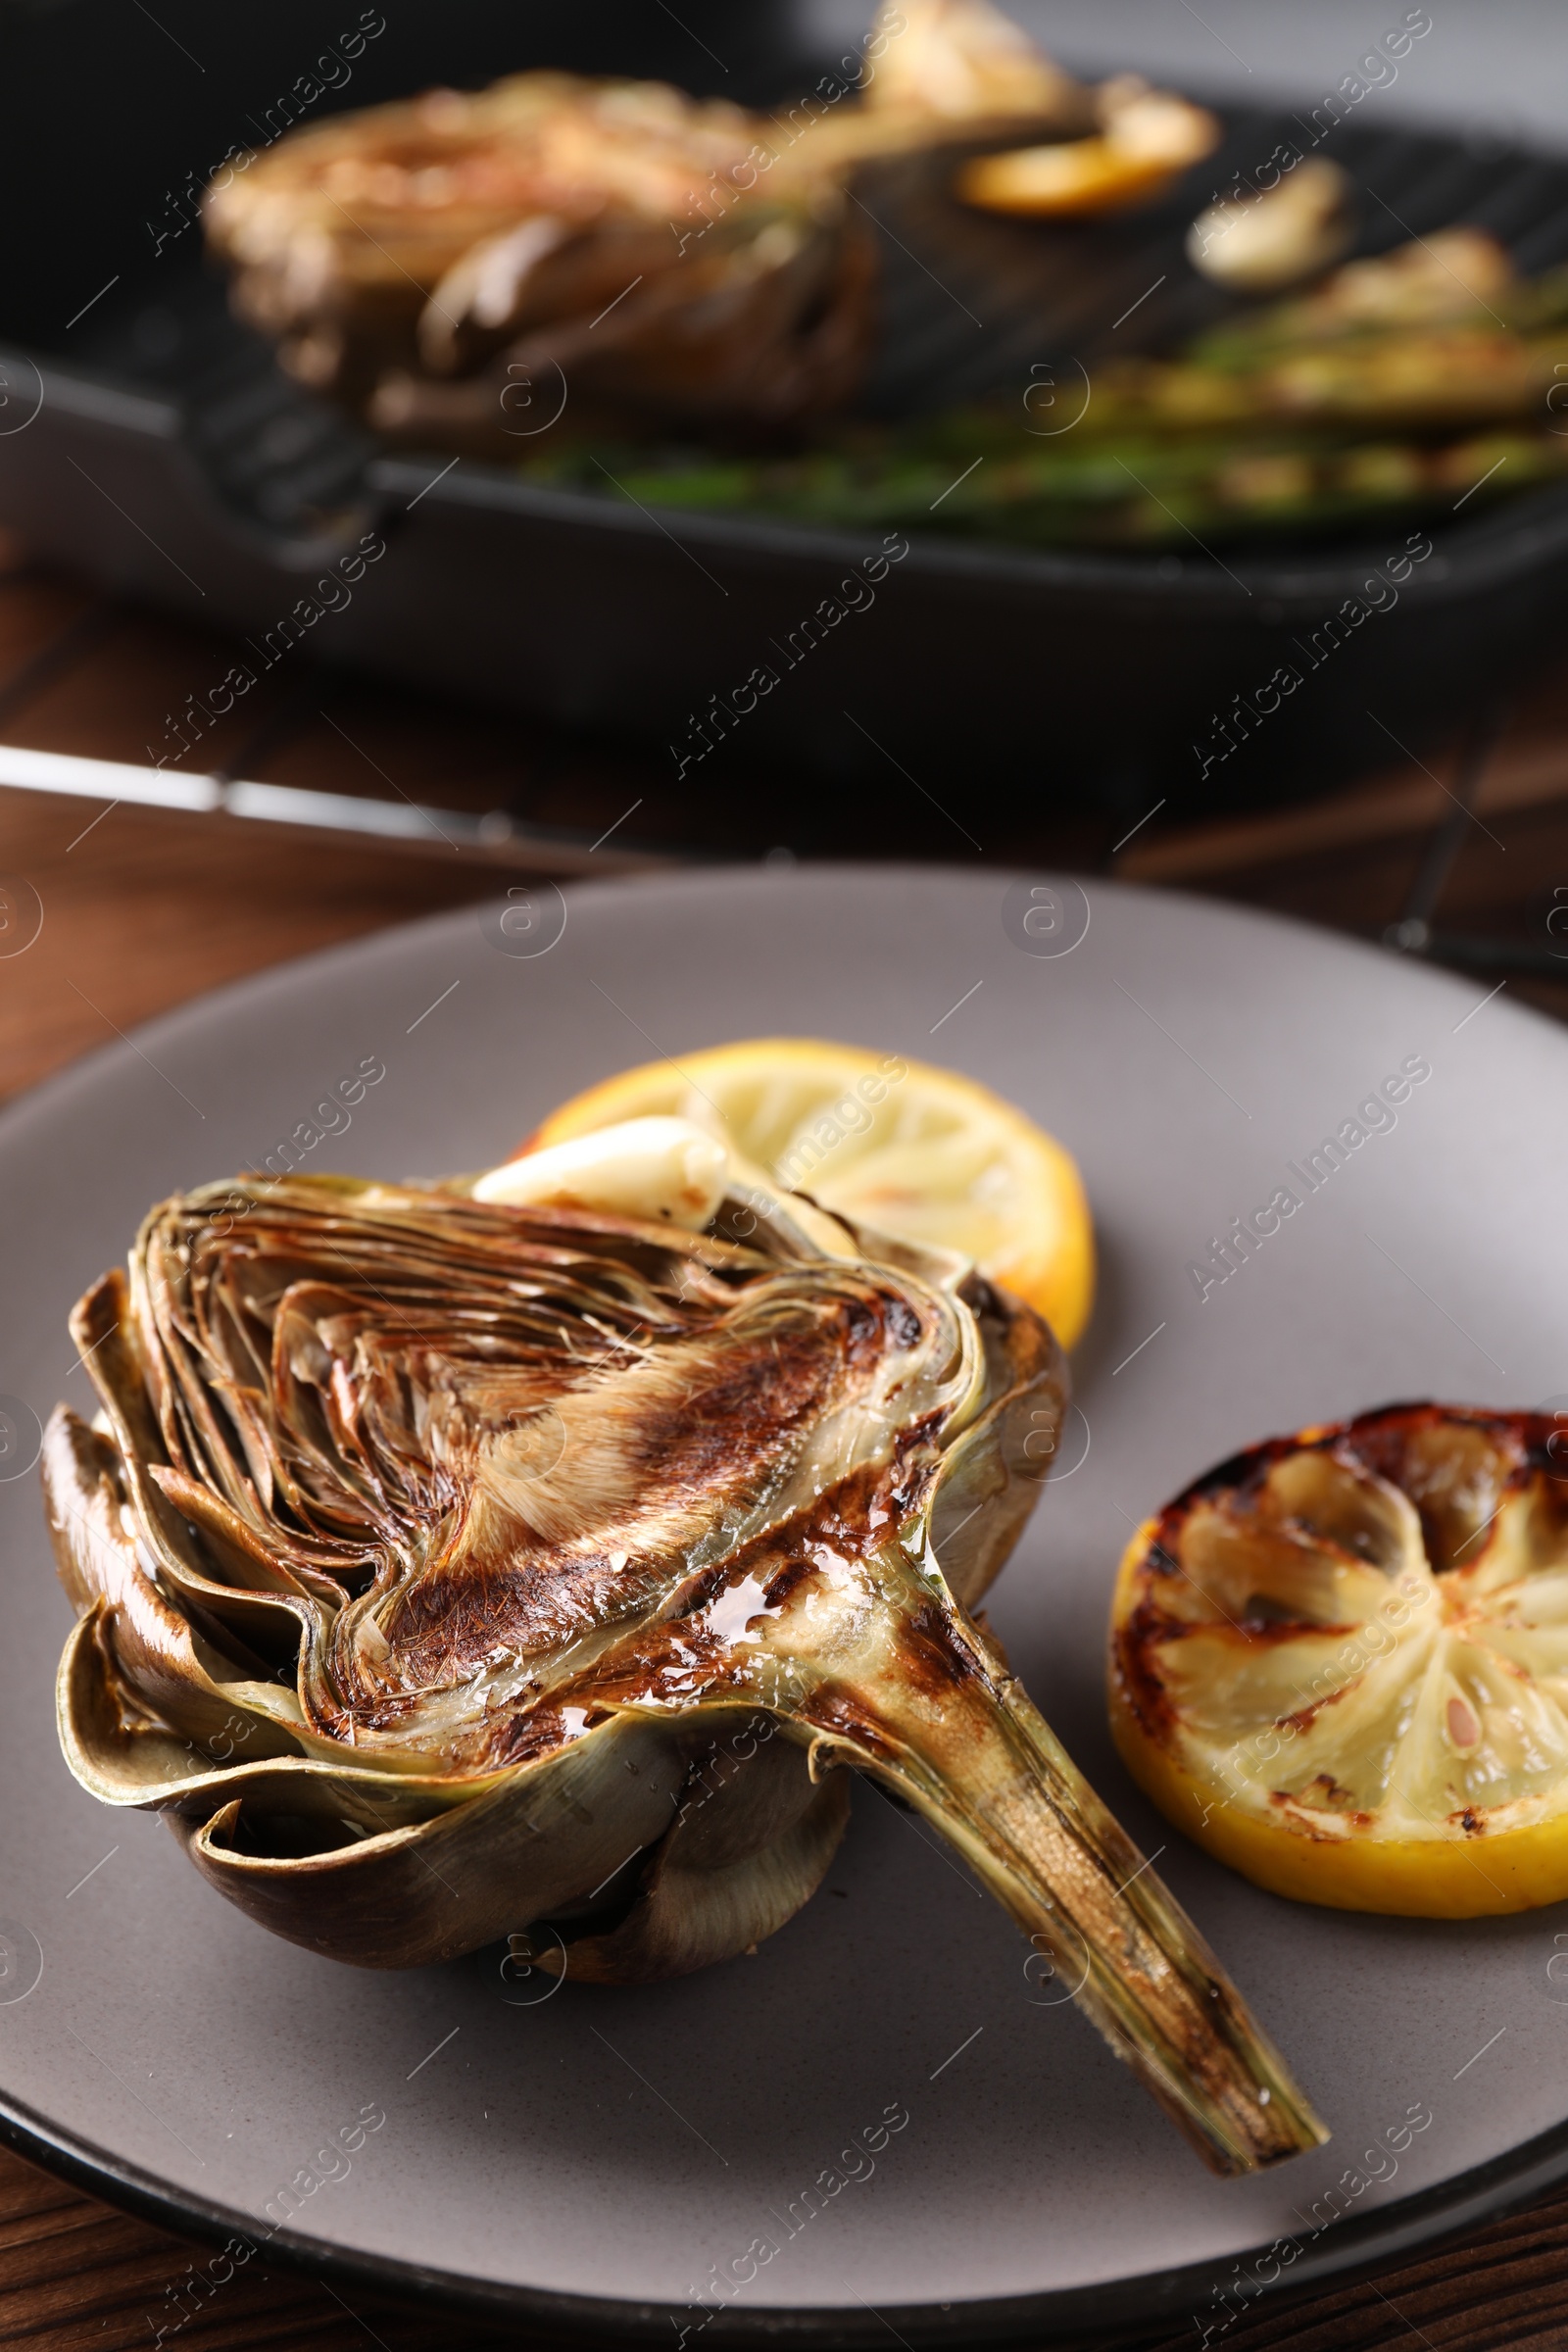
[(910, 1150), (1146, 139), (1339, 1662)]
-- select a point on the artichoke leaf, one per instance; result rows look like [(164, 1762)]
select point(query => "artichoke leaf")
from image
[(588, 1551), (165, 1677), (124, 1755), (266, 1608), (529, 1844), (751, 1840)]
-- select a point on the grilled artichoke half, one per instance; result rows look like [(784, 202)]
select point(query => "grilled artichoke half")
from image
[(449, 263), (443, 1569)]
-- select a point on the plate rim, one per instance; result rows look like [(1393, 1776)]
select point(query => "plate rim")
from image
[(1107, 2309)]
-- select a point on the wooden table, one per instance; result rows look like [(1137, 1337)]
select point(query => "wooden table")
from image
[(143, 908)]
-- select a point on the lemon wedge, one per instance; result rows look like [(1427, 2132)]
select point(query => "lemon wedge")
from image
[(1339, 1662), (1078, 175), (1146, 139), (913, 1151)]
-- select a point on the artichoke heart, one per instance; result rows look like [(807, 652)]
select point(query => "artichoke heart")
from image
[(447, 1569)]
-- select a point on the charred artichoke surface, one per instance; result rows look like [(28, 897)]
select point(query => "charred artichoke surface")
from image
[(444, 1569)]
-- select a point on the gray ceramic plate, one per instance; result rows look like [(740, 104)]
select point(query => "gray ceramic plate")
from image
[(620, 2160)]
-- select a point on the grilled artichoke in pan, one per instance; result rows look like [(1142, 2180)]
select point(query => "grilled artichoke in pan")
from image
[(437, 261), (444, 1567), (442, 263)]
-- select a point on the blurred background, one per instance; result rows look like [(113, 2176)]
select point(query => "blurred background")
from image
[(1497, 69), (538, 670)]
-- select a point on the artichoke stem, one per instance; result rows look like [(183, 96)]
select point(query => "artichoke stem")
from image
[(944, 1727)]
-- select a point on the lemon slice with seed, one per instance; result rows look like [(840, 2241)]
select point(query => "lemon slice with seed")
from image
[(911, 1150), (1340, 1662)]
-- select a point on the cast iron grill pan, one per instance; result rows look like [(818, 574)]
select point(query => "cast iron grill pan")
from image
[(1057, 676)]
